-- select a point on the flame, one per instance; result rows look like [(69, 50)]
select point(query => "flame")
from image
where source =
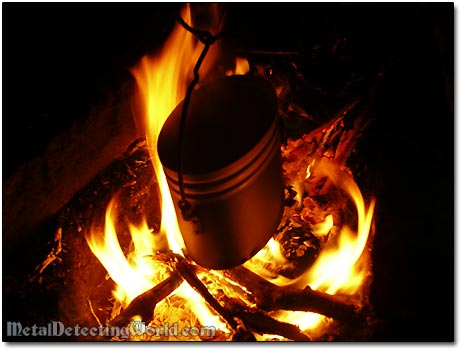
[(308, 171), (162, 81), (266, 260), (323, 228), (304, 320), (338, 268), (133, 276), (242, 67)]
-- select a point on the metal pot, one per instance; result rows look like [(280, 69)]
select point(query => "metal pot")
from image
[(232, 172)]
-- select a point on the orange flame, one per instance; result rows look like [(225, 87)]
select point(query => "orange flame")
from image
[(242, 67)]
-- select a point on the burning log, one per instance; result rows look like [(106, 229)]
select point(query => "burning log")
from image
[(263, 323), (239, 316), (233, 310), (144, 304), (188, 273), (268, 296)]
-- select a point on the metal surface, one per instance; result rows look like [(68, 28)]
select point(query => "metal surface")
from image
[(232, 170)]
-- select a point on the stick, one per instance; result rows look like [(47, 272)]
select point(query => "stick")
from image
[(93, 313), (188, 273), (50, 258), (268, 296), (263, 323), (144, 304)]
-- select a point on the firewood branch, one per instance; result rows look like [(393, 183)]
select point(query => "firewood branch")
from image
[(144, 304), (262, 323), (240, 317), (268, 296), (188, 273)]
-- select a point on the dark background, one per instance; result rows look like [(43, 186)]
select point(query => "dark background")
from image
[(59, 58)]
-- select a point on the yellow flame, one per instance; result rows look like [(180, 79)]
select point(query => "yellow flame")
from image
[(267, 260), (162, 82), (308, 171), (298, 186), (132, 277), (201, 309), (304, 320), (337, 269), (323, 228), (242, 67)]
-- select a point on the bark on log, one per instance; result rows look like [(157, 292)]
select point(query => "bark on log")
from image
[(39, 188)]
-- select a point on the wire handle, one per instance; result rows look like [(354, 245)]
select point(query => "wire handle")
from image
[(207, 39)]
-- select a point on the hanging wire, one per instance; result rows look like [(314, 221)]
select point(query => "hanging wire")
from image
[(207, 39)]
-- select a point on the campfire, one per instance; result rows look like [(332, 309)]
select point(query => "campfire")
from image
[(309, 282), (311, 278)]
